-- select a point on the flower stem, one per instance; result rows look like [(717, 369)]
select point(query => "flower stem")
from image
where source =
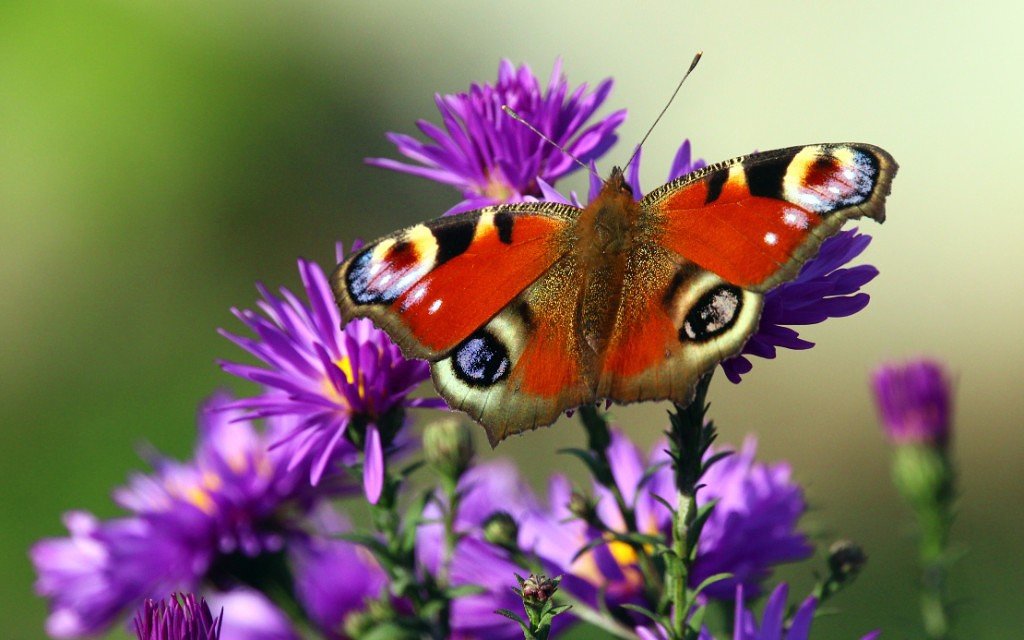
[(689, 437)]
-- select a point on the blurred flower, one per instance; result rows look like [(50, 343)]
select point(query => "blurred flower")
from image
[(105, 569), (334, 578), (249, 615), (751, 529), (825, 288), (236, 496), (191, 523), (490, 157), (330, 378), (491, 493), (914, 401), (180, 617)]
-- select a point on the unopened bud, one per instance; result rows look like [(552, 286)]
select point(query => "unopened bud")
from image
[(845, 560), (448, 447), (539, 588), (501, 529)]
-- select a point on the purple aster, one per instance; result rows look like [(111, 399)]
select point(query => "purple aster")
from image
[(752, 528), (249, 615), (235, 499), (329, 377), (485, 489), (105, 569), (236, 496), (914, 401), (333, 577), (490, 157), (180, 617)]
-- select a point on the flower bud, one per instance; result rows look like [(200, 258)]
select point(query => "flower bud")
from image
[(538, 589), (845, 560), (501, 529), (914, 401), (448, 447)]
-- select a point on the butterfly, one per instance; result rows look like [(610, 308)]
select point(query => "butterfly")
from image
[(527, 310)]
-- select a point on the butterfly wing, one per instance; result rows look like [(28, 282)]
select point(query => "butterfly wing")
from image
[(755, 219), (433, 284), (526, 366), (711, 243)]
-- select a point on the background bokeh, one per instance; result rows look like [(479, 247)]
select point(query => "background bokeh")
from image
[(158, 158)]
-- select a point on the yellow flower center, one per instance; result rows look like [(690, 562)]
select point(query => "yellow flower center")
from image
[(497, 189)]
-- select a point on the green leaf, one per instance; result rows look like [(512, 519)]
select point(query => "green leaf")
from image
[(635, 608), (710, 580)]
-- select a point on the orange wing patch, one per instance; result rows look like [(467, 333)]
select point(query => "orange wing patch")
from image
[(755, 220)]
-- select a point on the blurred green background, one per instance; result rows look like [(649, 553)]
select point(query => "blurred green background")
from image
[(158, 158)]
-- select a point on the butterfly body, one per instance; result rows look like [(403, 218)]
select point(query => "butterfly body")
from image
[(528, 309)]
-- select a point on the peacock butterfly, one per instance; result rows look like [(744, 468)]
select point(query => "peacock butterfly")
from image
[(526, 310)]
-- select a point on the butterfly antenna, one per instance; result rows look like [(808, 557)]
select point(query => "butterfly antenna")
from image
[(679, 86), (515, 116)]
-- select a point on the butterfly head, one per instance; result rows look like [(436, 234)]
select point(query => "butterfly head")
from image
[(616, 184)]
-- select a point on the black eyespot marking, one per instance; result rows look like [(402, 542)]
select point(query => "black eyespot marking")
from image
[(453, 238), (713, 315), (715, 184), (482, 360), (504, 222), (358, 279), (764, 178)]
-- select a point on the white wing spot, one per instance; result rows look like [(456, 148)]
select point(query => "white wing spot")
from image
[(771, 238), (434, 306)]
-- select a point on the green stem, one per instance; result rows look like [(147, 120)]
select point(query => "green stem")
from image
[(686, 512)]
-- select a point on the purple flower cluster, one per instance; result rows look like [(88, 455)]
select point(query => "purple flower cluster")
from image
[(493, 159), (752, 529), (236, 498)]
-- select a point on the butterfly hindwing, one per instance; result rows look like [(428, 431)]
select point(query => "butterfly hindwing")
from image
[(527, 365), (433, 284), (676, 322), (755, 219)]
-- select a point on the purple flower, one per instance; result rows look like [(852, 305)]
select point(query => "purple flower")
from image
[(180, 617), (914, 402), (333, 578), (485, 489), (327, 377), (235, 498), (490, 157), (752, 528), (249, 615), (105, 569), (773, 624)]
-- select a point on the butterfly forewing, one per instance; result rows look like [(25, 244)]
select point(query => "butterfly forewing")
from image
[(431, 285), (530, 309), (755, 219)]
